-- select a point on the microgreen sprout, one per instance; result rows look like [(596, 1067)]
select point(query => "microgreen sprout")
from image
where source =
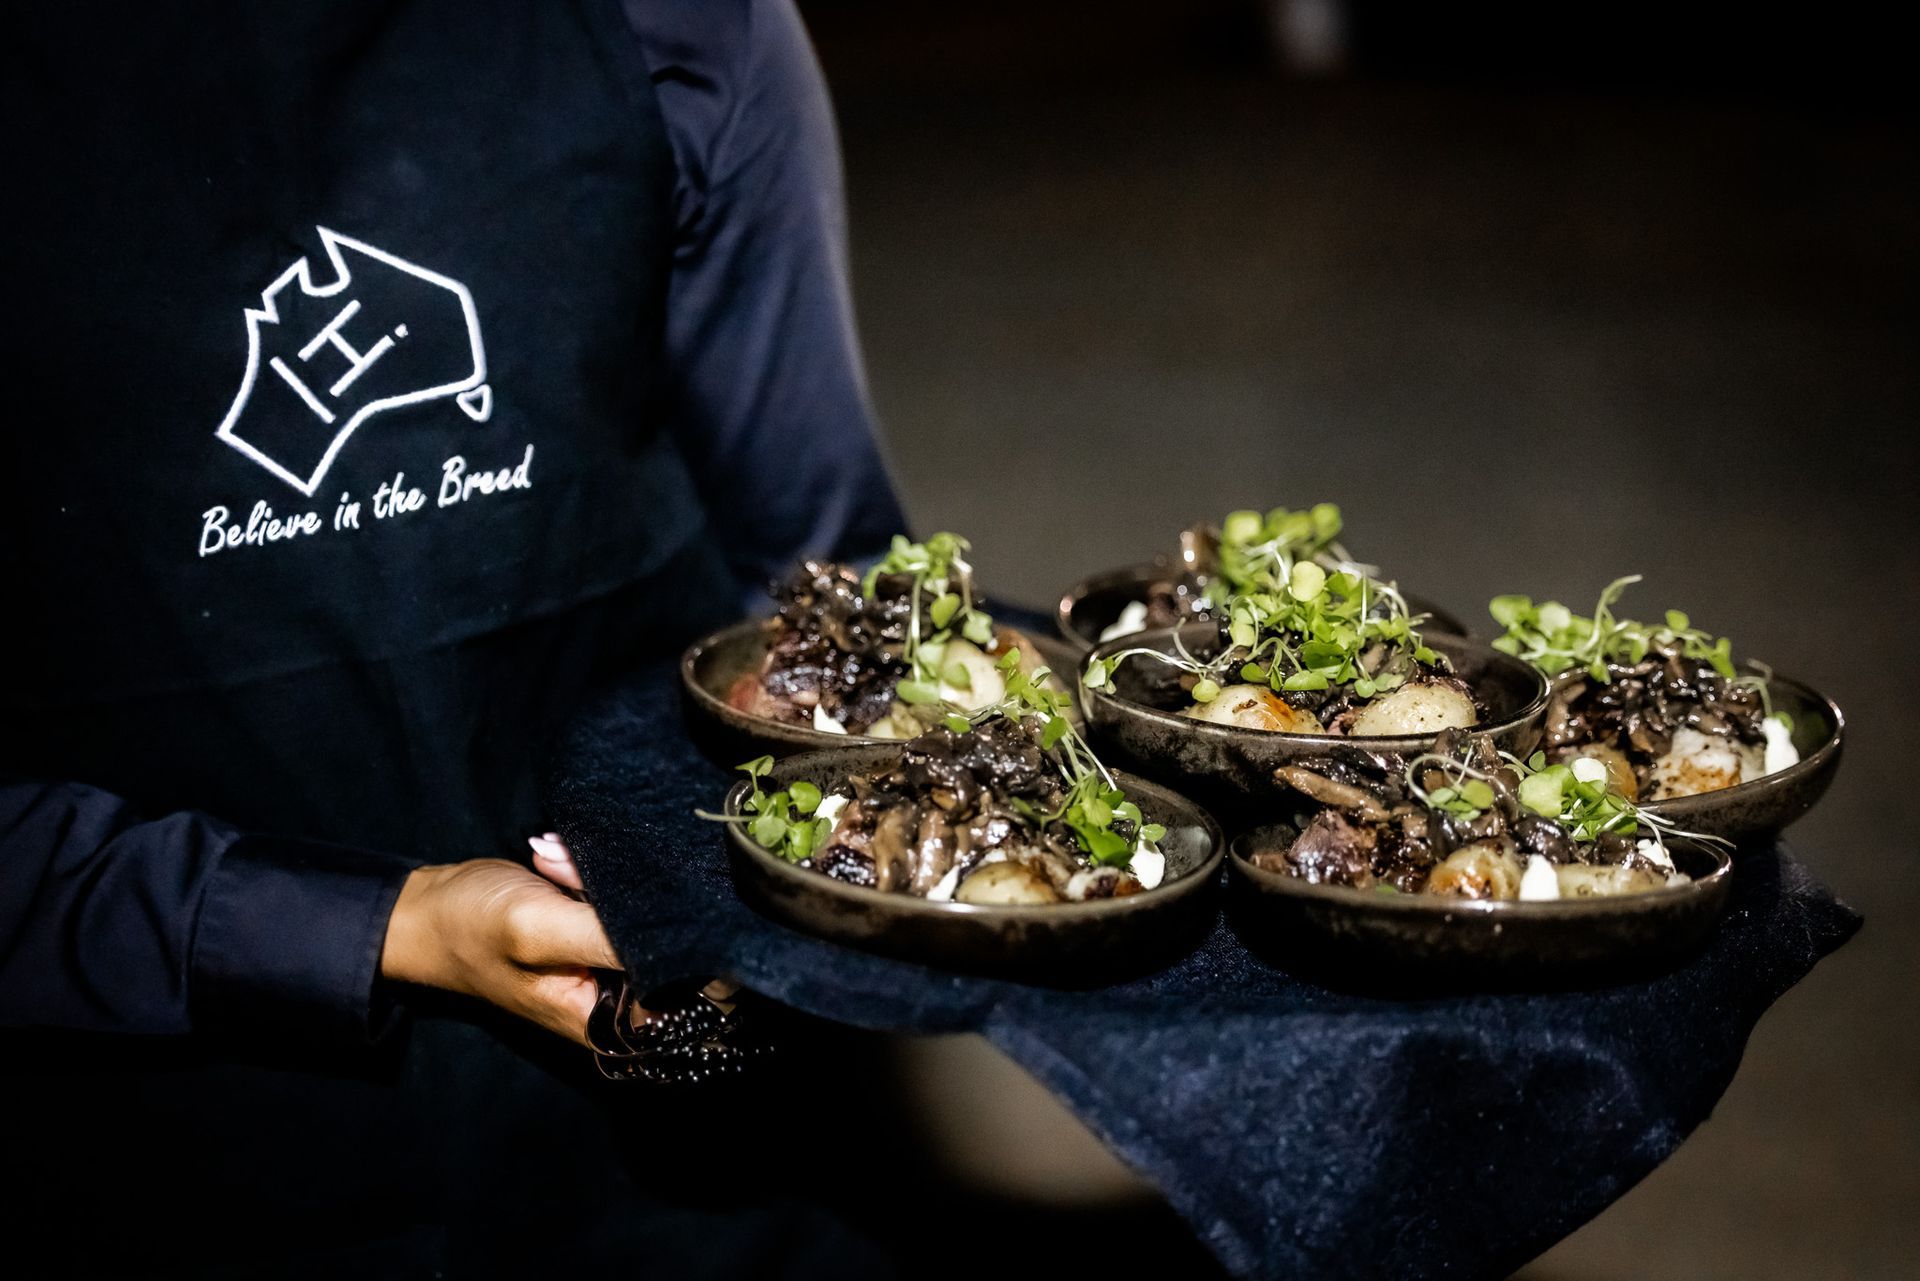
[(1575, 794), (1555, 639), (1466, 792), (1762, 685), (1258, 553), (1094, 801), (943, 581), (1315, 631), (787, 822)]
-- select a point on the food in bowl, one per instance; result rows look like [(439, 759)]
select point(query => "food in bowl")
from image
[(1218, 561), (1466, 821), (884, 654), (1661, 706), (1307, 651), (1008, 807)]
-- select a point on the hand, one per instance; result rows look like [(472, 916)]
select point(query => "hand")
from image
[(492, 929)]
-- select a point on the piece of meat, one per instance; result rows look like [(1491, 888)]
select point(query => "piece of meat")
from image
[(750, 695), (1319, 787), (892, 861), (1334, 850), (844, 863), (933, 851)]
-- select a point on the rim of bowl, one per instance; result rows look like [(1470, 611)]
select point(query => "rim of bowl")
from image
[(1531, 711), (1442, 905), (1106, 578), (1178, 887), (746, 722)]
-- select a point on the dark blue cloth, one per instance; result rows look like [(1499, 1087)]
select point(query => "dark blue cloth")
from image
[(1300, 1131)]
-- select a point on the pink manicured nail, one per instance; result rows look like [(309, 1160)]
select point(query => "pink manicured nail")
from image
[(549, 848)]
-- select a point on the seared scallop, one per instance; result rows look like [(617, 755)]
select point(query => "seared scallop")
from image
[(1698, 762), (984, 685), (1484, 869), (1005, 884), (1255, 707), (1423, 706), (1583, 880)]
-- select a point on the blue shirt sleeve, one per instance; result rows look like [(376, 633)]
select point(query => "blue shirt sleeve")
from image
[(113, 921), (768, 392)]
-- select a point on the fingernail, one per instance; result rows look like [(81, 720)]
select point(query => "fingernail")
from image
[(549, 848), (554, 837)]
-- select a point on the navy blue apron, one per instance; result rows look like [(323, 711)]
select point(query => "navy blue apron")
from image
[(336, 475), (337, 327)]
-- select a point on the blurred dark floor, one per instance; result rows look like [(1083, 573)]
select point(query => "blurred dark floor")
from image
[(1529, 340)]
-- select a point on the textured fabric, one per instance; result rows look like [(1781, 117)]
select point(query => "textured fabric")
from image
[(290, 935), (1302, 1132)]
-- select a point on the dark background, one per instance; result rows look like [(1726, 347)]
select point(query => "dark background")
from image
[(1540, 296)]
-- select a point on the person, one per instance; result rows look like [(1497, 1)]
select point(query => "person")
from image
[(384, 375)]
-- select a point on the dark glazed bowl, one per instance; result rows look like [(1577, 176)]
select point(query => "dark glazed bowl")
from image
[(709, 668), (1756, 811), (1069, 944), (1092, 605), (1132, 724), (1420, 936)]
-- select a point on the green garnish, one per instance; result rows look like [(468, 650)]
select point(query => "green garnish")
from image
[(942, 578), (1555, 639), (784, 821), (1300, 614), (1316, 632), (1586, 808), (1094, 802), (1258, 552)]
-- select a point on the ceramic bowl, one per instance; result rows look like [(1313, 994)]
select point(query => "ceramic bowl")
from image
[(1421, 937), (1092, 605), (710, 666), (1135, 724), (1069, 944)]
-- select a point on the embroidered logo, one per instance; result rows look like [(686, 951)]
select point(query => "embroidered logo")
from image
[(383, 333)]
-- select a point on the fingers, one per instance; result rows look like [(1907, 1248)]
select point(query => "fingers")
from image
[(551, 930), (553, 860)]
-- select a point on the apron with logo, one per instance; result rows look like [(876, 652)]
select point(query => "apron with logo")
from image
[(334, 461), (335, 475)]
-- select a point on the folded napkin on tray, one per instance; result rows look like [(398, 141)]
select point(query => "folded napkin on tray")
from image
[(1299, 1130)]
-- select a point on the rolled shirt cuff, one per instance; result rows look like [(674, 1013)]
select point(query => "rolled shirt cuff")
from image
[(290, 936)]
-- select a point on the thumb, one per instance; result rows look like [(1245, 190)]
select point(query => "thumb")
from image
[(553, 860), (562, 932)]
